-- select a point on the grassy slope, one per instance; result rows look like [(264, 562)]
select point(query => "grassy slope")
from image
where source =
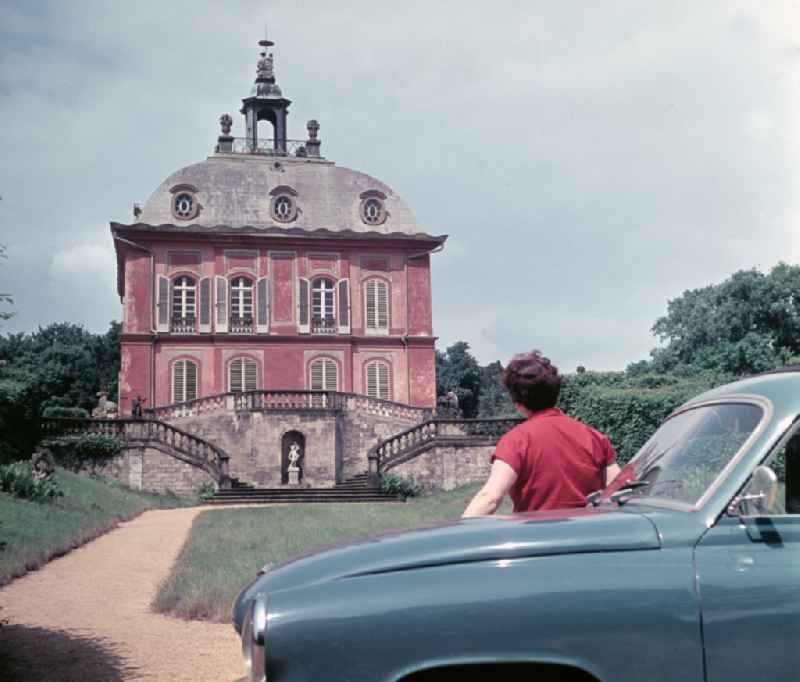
[(227, 546), (35, 533)]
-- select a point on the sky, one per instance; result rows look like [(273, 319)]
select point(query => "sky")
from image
[(590, 161)]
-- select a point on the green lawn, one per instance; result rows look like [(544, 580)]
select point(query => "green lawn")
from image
[(33, 533), (227, 546)]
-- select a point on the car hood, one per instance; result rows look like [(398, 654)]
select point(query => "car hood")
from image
[(600, 529)]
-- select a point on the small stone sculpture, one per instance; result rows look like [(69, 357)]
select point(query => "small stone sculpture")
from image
[(293, 468), (106, 409), (225, 122), (136, 407), (43, 464)]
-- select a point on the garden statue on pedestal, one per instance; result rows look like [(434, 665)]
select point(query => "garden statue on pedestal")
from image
[(106, 409), (293, 468), (43, 464), (136, 407)]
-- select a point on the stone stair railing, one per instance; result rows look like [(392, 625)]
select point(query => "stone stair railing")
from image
[(290, 400), (150, 433), (412, 442)]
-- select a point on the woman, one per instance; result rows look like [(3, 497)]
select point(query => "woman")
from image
[(550, 461)]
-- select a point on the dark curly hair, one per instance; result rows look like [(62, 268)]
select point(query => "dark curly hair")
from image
[(532, 381)]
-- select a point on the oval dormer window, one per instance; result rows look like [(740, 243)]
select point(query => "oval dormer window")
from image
[(372, 209), (184, 206), (283, 208), (184, 202)]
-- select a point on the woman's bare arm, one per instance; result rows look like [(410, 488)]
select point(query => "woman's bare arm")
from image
[(489, 497)]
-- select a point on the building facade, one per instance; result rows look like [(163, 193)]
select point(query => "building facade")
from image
[(268, 267)]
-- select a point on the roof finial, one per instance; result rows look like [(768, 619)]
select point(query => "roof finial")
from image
[(265, 74)]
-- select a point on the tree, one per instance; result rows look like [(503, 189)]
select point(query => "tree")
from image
[(494, 400), (457, 370), (748, 323), (61, 365)]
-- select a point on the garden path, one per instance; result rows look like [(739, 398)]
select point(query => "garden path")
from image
[(86, 616)]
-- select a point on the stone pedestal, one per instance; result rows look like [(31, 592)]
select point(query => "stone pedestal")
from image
[(224, 144), (294, 476)]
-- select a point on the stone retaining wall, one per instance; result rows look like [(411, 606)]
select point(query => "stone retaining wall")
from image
[(445, 467), (154, 471)]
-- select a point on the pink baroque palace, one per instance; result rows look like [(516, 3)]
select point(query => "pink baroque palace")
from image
[(266, 267)]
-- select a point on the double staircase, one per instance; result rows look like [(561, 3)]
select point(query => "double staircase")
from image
[(354, 489)]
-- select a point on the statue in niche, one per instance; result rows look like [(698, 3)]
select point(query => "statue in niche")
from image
[(294, 468)]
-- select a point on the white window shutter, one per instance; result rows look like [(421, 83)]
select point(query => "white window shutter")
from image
[(331, 380), (162, 304), (383, 380), (235, 376), (262, 317), (344, 306), (303, 317), (378, 380), (205, 305), (372, 379), (178, 381), (250, 375), (382, 305), (317, 376), (191, 380), (222, 305), (370, 305)]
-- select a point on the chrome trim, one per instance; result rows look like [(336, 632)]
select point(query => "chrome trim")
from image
[(746, 398)]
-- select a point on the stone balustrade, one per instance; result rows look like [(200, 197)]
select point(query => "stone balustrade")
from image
[(136, 432), (291, 400), (407, 444)]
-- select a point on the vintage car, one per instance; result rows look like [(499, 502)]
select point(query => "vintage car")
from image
[(686, 568)]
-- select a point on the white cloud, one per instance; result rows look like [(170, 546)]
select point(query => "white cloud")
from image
[(85, 260), (575, 152)]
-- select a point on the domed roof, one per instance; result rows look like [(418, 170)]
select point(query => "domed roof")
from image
[(240, 191)]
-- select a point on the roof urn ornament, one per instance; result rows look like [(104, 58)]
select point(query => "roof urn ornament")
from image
[(225, 140)]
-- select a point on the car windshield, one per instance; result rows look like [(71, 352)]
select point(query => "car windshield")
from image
[(685, 456)]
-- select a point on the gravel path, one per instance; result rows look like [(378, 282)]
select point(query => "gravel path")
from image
[(86, 617)]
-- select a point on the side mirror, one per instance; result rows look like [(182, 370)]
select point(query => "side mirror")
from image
[(758, 496)]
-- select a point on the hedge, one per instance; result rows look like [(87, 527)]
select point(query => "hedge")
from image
[(628, 409)]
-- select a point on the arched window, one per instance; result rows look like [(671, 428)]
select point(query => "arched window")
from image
[(184, 381), (377, 306), (378, 377), (184, 305), (243, 375), (323, 375), (241, 305), (323, 320)]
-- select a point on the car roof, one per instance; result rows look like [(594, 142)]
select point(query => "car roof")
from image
[(780, 387)]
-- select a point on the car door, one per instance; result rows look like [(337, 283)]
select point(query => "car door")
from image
[(748, 574)]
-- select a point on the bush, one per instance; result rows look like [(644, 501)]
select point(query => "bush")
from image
[(86, 449), (206, 491), (65, 413), (397, 485), (17, 479)]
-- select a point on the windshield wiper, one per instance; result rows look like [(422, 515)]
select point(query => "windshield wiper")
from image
[(623, 494), (595, 498)]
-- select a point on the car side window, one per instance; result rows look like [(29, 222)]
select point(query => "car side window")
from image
[(785, 462)]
